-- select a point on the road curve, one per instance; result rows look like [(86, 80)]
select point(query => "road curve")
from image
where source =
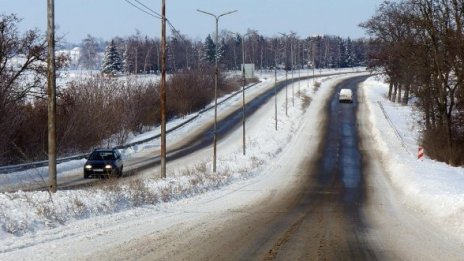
[(335, 204), (226, 125), (317, 217)]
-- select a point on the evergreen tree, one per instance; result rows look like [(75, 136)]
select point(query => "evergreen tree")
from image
[(222, 48), (349, 57), (112, 63), (209, 49)]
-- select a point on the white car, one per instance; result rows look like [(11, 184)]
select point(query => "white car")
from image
[(346, 95)]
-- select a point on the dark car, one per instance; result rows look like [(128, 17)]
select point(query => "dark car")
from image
[(103, 163)]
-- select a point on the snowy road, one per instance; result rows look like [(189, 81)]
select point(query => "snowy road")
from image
[(334, 205), (325, 196), (199, 138)]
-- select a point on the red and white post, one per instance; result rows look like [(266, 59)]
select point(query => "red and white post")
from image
[(420, 153)]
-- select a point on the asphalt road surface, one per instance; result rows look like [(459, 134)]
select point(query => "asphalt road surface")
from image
[(325, 196), (339, 206), (227, 123)]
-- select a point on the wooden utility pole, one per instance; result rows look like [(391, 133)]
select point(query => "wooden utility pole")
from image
[(52, 183), (163, 89)]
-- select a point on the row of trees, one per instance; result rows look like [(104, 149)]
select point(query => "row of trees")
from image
[(420, 46), (140, 54), (91, 111)]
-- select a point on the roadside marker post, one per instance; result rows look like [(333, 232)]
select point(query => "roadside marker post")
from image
[(420, 153)]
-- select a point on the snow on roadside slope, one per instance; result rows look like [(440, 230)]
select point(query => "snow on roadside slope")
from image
[(24, 214), (431, 188), (23, 179)]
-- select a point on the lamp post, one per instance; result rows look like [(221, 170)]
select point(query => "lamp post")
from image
[(216, 74), (299, 69), (275, 89), (286, 73), (308, 65), (275, 81), (291, 68), (242, 37), (314, 61), (243, 94)]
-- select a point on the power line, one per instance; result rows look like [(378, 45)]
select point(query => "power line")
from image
[(147, 10), (150, 14)]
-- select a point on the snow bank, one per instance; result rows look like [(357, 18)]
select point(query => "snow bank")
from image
[(429, 187), (25, 213)]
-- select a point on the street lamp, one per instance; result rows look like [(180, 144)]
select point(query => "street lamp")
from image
[(291, 68), (286, 72), (216, 74), (275, 81), (308, 65), (242, 37), (299, 68)]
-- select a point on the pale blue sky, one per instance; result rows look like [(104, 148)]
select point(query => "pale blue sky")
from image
[(109, 18)]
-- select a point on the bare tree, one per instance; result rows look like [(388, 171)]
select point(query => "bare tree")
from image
[(22, 76), (88, 58), (420, 46)]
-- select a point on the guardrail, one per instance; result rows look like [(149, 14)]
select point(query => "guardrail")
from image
[(25, 166), (37, 164), (395, 130)]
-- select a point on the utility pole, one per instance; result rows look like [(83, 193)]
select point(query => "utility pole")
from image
[(163, 89), (52, 182)]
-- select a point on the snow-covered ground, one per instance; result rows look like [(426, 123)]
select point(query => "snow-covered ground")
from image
[(23, 179), (431, 188), (30, 217), (32, 223)]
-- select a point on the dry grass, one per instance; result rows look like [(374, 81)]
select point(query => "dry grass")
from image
[(305, 101), (317, 85)]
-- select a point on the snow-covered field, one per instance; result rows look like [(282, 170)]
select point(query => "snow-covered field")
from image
[(29, 220)]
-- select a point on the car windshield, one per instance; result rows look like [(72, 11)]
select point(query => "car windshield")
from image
[(102, 155)]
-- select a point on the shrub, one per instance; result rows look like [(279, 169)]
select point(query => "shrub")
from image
[(100, 111), (436, 147)]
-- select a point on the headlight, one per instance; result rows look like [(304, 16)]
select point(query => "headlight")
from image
[(88, 166), (108, 166)]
